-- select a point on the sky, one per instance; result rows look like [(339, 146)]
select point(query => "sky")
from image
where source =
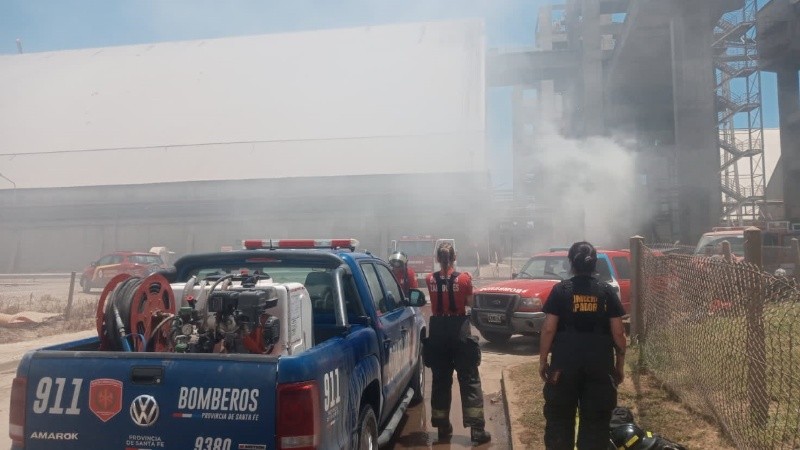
[(47, 25)]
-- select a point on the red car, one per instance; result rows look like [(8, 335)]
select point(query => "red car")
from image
[(138, 264), (515, 306)]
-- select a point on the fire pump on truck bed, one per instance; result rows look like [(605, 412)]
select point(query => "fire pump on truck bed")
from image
[(280, 345)]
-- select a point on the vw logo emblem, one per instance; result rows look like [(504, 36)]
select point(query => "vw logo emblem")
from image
[(144, 410)]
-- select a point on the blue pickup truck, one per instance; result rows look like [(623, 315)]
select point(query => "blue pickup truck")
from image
[(337, 361)]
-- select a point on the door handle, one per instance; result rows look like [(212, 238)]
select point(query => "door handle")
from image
[(403, 330), (147, 375)]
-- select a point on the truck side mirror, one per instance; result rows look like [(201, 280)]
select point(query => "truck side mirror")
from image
[(416, 298)]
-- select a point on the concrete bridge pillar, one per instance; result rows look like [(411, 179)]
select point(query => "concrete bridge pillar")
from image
[(592, 62), (696, 136), (789, 111)]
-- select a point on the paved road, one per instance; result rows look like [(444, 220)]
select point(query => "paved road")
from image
[(6, 377), (415, 431)]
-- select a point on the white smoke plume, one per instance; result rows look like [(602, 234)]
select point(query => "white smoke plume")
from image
[(584, 188)]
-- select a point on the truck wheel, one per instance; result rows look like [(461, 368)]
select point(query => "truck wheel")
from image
[(418, 382), (495, 337), (367, 429)]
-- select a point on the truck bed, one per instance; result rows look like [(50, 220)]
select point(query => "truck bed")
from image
[(147, 400)]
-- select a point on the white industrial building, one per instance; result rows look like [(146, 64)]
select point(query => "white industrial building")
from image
[(367, 132)]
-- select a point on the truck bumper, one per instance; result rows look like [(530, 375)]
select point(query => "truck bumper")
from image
[(516, 323), (528, 321)]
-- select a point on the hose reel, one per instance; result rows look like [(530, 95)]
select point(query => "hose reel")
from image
[(131, 312), (140, 315)]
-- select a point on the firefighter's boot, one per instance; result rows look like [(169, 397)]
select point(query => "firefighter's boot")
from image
[(480, 436), (446, 432)]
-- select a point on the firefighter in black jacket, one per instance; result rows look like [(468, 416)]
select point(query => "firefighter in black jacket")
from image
[(583, 327), (451, 346)]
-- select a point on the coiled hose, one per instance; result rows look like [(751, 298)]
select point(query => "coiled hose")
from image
[(118, 315)]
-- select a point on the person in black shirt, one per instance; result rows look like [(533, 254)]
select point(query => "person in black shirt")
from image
[(582, 328)]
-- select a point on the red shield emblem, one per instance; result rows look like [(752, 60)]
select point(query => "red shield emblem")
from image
[(105, 398)]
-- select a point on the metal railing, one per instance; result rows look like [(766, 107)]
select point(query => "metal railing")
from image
[(738, 101)]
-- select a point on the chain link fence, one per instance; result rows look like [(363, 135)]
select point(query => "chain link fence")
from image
[(724, 336)]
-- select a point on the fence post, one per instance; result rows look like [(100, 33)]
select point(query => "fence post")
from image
[(796, 258), (752, 247), (637, 279), (756, 351), (68, 311)]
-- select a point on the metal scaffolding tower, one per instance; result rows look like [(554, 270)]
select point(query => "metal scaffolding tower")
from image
[(739, 114)]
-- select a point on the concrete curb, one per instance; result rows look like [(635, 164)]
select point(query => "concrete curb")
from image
[(511, 390)]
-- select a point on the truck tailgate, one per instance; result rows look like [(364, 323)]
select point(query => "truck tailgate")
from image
[(128, 401)]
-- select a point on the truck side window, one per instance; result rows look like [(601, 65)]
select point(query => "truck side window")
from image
[(393, 291), (604, 271), (374, 287), (351, 298), (623, 267)]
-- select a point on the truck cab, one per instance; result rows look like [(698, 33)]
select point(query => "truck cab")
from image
[(511, 307), (711, 242)]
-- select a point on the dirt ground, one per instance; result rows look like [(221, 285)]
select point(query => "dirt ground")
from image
[(654, 409), (48, 296)]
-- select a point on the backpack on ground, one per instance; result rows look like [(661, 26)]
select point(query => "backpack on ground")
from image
[(626, 435)]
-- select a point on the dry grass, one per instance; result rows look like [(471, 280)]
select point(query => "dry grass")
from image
[(713, 375), (82, 315), (654, 409), (531, 418)]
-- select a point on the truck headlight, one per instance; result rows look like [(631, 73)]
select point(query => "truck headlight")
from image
[(531, 304)]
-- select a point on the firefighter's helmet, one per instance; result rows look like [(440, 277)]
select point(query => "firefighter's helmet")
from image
[(398, 259), (631, 437)]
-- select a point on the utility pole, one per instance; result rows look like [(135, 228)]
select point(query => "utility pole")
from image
[(513, 231)]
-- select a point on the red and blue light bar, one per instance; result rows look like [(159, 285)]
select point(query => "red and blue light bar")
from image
[(273, 244)]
